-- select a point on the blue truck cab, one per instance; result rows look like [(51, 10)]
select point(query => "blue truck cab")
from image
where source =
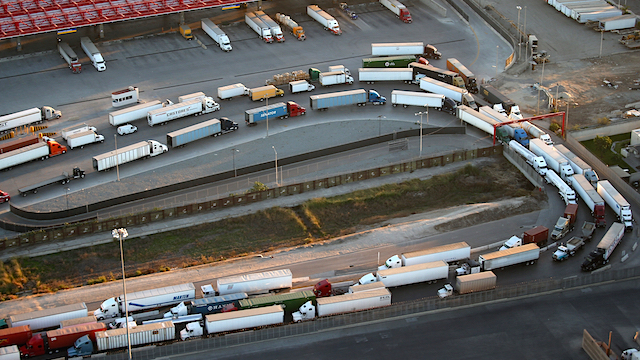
[(375, 98), (521, 136)]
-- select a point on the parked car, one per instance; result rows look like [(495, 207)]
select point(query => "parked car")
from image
[(350, 13), (4, 197), (127, 129)]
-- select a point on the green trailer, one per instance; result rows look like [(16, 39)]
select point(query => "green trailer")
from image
[(388, 61), (291, 302)]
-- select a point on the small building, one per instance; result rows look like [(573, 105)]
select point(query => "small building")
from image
[(635, 137)]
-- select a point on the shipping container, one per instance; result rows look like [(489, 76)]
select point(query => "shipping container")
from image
[(427, 272), (216, 304), (255, 283), (48, 318), (133, 113), (476, 282), (353, 302), (140, 335), (15, 144), (244, 319), (290, 301), (388, 61), (17, 335)]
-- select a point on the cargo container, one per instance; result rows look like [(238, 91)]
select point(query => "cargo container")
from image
[(48, 318), (366, 287), (459, 95), (70, 57), (602, 254), (293, 27), (197, 95), (213, 127), (265, 92), (18, 143), (476, 282), (76, 129), (402, 61), (9, 353), (145, 300), (413, 98), (140, 335), (477, 119), (141, 150), (244, 319), (277, 110), (290, 302), (591, 198), (411, 48), (133, 113), (429, 272), (27, 117), (257, 25), (334, 78), (229, 91), (125, 97), (371, 75), (78, 321), (449, 253), (446, 76), (617, 22), (468, 77), (617, 202), (216, 34), (326, 20), (60, 339), (190, 107), (84, 138), (216, 304), (255, 283), (15, 335), (353, 302), (527, 254), (276, 32), (539, 235), (398, 9), (93, 53)]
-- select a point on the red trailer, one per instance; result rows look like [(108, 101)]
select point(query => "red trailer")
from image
[(60, 339), (18, 143), (15, 336)]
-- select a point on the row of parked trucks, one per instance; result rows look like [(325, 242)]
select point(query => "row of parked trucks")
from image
[(70, 57)]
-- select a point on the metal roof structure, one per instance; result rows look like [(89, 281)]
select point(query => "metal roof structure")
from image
[(28, 17)]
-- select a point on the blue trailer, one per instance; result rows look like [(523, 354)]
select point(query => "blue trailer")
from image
[(213, 127), (358, 97), (216, 304)]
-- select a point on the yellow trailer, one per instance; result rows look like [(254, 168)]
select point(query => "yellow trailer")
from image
[(265, 92)]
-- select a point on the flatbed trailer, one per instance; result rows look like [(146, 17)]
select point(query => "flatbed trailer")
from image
[(64, 178)]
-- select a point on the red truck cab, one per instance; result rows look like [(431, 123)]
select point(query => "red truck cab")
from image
[(405, 16), (294, 109), (323, 288)]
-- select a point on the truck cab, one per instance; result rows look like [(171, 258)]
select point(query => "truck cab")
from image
[(34, 347), (468, 267), (449, 106), (513, 241), (193, 329), (431, 52), (468, 100), (109, 308), (294, 109), (367, 279), (393, 262), (561, 229), (594, 260), (49, 113), (447, 290), (306, 312), (323, 288), (185, 31), (82, 347), (375, 98)]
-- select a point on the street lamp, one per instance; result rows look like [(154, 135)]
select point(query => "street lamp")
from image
[(420, 113), (540, 86), (121, 234), (274, 150), (526, 38), (380, 117), (233, 153), (66, 194), (117, 168), (267, 111), (519, 32)]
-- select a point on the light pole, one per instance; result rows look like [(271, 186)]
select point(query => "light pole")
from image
[(380, 117), (519, 32), (274, 150), (233, 153), (601, 38), (526, 38), (497, 55), (420, 113), (540, 86), (66, 194), (121, 234), (267, 111), (117, 168)]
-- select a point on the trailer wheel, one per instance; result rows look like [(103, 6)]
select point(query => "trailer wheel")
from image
[(24, 194), (35, 191)]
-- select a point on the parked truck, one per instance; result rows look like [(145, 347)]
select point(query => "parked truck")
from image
[(255, 283), (293, 27), (133, 113), (186, 108), (213, 127), (429, 272), (290, 302), (48, 318), (591, 198), (449, 253), (493, 96), (278, 110), (265, 92), (358, 97), (140, 150), (65, 178), (253, 21), (446, 76), (16, 144), (602, 254), (536, 132), (508, 132), (371, 75), (538, 235), (216, 34), (468, 77), (470, 283), (230, 91), (276, 32), (578, 165), (28, 117), (326, 20), (568, 249), (84, 138), (567, 194), (70, 57), (334, 78), (216, 304), (399, 9), (460, 96), (73, 130), (413, 98), (300, 86), (617, 203), (478, 120), (41, 150), (145, 300), (565, 223), (140, 335), (362, 300), (401, 61), (411, 48), (93, 53), (526, 254), (60, 339), (555, 160), (537, 162)]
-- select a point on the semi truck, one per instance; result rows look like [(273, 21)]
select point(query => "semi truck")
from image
[(568, 249), (399, 9), (255, 283), (216, 34), (460, 96), (334, 78), (276, 32), (537, 162), (73, 130), (140, 335), (510, 131), (567, 194), (186, 108), (300, 86), (196, 95), (16, 144), (145, 300), (401, 61), (326, 20), (216, 304), (476, 119), (536, 132), (446, 76), (526, 254), (48, 318), (70, 57), (265, 92), (332, 305), (230, 91), (449, 253), (236, 320), (470, 283), (617, 203), (140, 150), (410, 48), (93, 53), (429, 272), (257, 25), (213, 127), (555, 160), (468, 77), (371, 75), (578, 165), (133, 113), (289, 301), (28, 117), (358, 97), (60, 339), (413, 98), (538, 235), (40, 150), (591, 198), (602, 254), (65, 178), (278, 110), (84, 138), (565, 223), (293, 27), (493, 96)]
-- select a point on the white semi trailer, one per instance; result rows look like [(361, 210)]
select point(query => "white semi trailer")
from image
[(141, 150)]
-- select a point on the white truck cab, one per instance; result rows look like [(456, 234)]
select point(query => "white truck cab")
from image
[(513, 241)]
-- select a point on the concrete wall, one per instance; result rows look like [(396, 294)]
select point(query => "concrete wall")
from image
[(609, 130)]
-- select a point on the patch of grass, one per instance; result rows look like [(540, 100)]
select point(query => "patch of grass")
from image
[(608, 157)]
